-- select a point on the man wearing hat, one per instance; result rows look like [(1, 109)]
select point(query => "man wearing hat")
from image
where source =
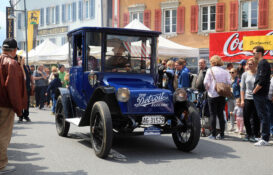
[(241, 68), (13, 97)]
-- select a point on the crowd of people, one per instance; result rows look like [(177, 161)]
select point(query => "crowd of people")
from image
[(249, 104)]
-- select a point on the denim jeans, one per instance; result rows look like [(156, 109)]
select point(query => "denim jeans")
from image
[(262, 107), (53, 102), (271, 115)]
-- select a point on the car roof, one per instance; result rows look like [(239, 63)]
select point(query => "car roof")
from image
[(121, 31)]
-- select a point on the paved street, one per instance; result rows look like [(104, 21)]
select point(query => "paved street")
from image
[(37, 149)]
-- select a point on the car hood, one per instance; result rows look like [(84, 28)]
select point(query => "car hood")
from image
[(135, 81), (145, 98)]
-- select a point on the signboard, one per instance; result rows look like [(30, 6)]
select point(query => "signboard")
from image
[(229, 45), (53, 31), (252, 41), (32, 27), (9, 24)]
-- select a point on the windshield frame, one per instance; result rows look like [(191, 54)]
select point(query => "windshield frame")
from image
[(152, 49)]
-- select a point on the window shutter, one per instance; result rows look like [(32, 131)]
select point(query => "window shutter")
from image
[(125, 19), (47, 16), (147, 18), (74, 11), (42, 17), (158, 15), (263, 14), (57, 14), (63, 13), (234, 15), (180, 20), (194, 18), (92, 9), (80, 10), (220, 17), (19, 23)]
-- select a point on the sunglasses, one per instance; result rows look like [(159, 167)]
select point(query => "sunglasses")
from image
[(232, 72)]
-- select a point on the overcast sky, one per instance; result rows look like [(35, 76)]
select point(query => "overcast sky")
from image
[(3, 5)]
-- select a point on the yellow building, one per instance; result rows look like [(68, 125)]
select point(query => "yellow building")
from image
[(189, 22)]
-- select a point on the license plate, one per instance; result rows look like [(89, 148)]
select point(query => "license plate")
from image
[(152, 130), (153, 120)]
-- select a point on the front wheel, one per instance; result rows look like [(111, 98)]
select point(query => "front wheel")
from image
[(101, 129), (62, 126), (187, 138)]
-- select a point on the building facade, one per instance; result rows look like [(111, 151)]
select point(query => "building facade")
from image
[(189, 22), (59, 17)]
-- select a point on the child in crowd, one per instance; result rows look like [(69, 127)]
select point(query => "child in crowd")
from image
[(238, 112), (52, 88)]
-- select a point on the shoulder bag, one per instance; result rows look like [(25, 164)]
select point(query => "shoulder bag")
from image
[(223, 89)]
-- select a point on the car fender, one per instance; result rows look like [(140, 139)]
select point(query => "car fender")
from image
[(106, 94), (66, 101)]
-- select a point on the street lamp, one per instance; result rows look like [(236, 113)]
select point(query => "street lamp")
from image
[(12, 16)]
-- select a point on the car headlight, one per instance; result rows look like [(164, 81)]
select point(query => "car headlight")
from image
[(180, 95), (123, 94)]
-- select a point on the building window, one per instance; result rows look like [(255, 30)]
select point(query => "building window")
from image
[(53, 15), (57, 14), (170, 21), (92, 9), (249, 14), (86, 9), (74, 11), (69, 13), (47, 16), (80, 15), (63, 13), (136, 15), (42, 17), (208, 17)]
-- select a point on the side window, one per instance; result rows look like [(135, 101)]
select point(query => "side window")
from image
[(93, 51), (70, 51), (78, 50)]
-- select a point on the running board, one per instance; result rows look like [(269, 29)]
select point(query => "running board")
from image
[(75, 121)]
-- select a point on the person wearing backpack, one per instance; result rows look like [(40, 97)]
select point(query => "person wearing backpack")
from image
[(216, 78), (52, 87)]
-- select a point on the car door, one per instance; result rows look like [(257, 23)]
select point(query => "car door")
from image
[(77, 70)]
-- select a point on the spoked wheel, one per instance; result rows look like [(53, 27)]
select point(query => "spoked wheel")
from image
[(61, 125), (101, 129), (188, 137)]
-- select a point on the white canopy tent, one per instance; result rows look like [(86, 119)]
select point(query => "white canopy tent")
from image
[(39, 54), (59, 54), (167, 48)]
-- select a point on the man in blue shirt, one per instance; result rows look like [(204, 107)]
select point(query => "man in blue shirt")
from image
[(182, 73)]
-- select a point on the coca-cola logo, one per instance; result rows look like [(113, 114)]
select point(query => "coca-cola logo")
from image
[(234, 44)]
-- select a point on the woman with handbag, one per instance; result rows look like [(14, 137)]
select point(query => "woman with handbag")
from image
[(217, 82)]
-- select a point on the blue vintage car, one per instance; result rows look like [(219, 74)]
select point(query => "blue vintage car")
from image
[(113, 89)]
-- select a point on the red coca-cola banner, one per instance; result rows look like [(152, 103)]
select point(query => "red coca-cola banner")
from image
[(229, 45)]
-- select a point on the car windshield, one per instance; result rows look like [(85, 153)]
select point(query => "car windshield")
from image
[(128, 54)]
